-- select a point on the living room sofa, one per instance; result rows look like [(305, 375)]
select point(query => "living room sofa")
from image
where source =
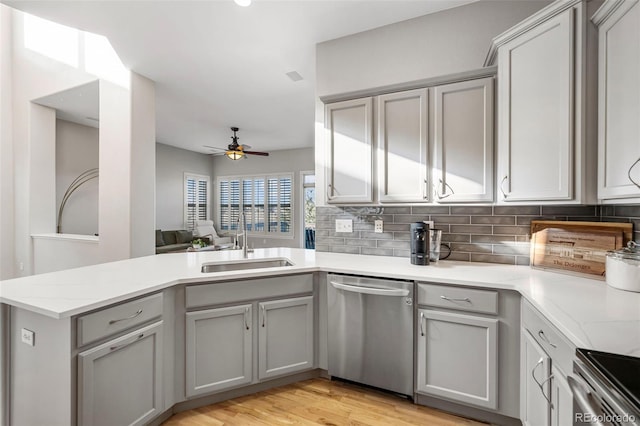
[(170, 241)]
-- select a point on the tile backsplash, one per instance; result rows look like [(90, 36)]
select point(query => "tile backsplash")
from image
[(496, 234)]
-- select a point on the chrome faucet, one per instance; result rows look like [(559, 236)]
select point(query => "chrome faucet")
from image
[(243, 219)]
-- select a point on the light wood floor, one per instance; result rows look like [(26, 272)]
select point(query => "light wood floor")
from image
[(316, 402)]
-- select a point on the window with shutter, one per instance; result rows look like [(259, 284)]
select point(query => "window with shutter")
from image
[(267, 202), (196, 199)]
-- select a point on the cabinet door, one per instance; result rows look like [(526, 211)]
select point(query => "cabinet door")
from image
[(402, 146), (534, 383), (536, 113), (120, 382), (218, 349), (619, 103), (457, 357), (349, 157), (463, 141), (285, 330), (562, 408)]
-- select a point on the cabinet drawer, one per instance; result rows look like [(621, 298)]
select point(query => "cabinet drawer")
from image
[(550, 339), (109, 321), (459, 298), (198, 296)]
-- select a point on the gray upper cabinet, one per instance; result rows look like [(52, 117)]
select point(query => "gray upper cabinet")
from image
[(218, 349), (285, 336), (619, 99), (120, 381), (349, 158), (463, 142), (402, 146), (545, 107)]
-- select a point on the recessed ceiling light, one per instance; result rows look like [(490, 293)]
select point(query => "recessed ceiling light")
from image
[(243, 3)]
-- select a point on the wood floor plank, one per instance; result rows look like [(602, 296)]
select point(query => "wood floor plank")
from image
[(317, 402)]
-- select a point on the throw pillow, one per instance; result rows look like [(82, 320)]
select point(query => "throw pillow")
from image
[(184, 236), (159, 239)]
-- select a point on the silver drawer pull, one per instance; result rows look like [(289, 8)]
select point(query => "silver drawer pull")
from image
[(264, 315), (421, 321), (546, 339), (453, 299), (246, 314), (127, 318), (115, 348)]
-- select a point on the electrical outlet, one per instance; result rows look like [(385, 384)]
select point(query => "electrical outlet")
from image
[(28, 337), (378, 226), (344, 225)]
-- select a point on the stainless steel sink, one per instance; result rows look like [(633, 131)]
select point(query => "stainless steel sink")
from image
[(238, 266)]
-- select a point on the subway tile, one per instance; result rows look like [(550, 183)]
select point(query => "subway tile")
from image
[(363, 226), (470, 229), (519, 249), (403, 227), (325, 210), (408, 218), (583, 219), (553, 210), (493, 239), (607, 210), (615, 219), (345, 249), (456, 238), (458, 220), (472, 210), (377, 251), (464, 257), (426, 210), (526, 220), (401, 253), (330, 240), (402, 236), (493, 258), (517, 210), (511, 230), (523, 238), (444, 227), (359, 242), (397, 210), (393, 244), (471, 248), (322, 247), (627, 211), (493, 220), (377, 236), (523, 260)]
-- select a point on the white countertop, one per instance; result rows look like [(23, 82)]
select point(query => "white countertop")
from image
[(587, 311)]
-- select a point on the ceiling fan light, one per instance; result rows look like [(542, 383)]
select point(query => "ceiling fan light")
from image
[(234, 155), (243, 3)]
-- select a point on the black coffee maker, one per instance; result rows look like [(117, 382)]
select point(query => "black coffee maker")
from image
[(419, 243)]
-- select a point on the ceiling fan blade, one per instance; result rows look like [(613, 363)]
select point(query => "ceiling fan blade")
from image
[(264, 154), (214, 147), (245, 146)]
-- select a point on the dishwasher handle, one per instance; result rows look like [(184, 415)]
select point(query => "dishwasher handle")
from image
[(378, 291)]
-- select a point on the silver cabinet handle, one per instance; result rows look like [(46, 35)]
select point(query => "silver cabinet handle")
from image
[(246, 314), (545, 339), (445, 194), (264, 315), (425, 194), (453, 299), (541, 385), (629, 173), (533, 371), (504, 195), (138, 312), (421, 321), (115, 348), (378, 291), (544, 382)]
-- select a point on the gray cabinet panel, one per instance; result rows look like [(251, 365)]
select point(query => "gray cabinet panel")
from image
[(535, 387), (458, 298), (285, 335), (218, 349), (458, 357), (120, 382)]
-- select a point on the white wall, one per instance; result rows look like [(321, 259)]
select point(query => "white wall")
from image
[(76, 152), (285, 161), (171, 165), (447, 42)]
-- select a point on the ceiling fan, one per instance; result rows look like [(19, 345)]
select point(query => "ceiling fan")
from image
[(236, 151)]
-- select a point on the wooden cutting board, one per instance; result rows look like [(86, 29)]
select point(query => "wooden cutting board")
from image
[(576, 247)]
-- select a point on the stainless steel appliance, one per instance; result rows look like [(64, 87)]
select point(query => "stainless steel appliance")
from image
[(606, 389), (419, 243), (371, 331)]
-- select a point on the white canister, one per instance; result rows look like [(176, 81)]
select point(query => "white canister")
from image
[(623, 268)]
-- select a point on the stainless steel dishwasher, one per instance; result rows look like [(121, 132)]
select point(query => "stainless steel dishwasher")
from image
[(371, 331)]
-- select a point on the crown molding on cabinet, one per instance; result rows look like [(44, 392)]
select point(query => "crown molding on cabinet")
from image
[(411, 85), (534, 20), (607, 9)]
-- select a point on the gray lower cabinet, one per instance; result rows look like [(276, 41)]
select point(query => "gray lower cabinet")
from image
[(218, 349), (285, 337), (120, 381), (535, 384), (458, 357)]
